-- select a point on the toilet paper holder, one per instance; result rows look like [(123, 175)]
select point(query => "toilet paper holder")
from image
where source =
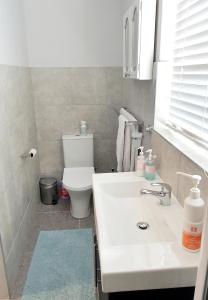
[(30, 154)]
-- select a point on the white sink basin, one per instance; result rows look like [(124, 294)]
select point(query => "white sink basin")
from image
[(122, 189), (135, 259)]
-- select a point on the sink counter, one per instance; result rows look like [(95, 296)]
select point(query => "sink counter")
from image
[(132, 258)]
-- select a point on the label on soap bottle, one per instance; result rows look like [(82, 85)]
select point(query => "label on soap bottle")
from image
[(192, 234), (150, 169), (140, 166)]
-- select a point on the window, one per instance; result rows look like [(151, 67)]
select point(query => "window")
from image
[(182, 82)]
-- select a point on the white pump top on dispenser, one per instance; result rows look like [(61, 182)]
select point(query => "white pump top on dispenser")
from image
[(194, 191), (141, 152), (150, 156)]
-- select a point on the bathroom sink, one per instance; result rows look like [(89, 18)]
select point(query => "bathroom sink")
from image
[(122, 189), (139, 240), (127, 212)]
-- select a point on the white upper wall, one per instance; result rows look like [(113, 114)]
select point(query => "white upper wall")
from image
[(73, 33), (12, 33)]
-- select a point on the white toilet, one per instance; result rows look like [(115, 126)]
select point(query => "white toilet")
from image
[(79, 167)]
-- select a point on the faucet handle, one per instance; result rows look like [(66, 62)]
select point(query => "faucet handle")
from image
[(166, 191), (165, 187)]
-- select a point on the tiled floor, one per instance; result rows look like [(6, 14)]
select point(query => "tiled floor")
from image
[(48, 217)]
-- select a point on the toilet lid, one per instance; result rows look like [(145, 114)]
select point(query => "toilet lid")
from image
[(78, 179)]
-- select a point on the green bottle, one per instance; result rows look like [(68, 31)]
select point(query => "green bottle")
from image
[(150, 170)]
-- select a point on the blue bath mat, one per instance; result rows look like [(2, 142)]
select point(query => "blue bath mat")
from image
[(62, 267)]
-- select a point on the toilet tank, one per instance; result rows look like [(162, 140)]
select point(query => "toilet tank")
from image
[(78, 150)]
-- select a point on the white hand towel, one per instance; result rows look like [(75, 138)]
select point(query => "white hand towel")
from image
[(120, 142), (127, 149), (127, 115)]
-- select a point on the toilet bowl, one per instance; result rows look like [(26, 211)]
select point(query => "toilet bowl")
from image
[(78, 183), (78, 170)]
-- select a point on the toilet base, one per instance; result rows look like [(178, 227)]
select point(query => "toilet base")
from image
[(80, 203)]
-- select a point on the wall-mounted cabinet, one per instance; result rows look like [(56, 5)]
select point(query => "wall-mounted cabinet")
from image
[(138, 40)]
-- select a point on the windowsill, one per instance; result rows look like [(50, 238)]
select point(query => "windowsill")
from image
[(194, 152)]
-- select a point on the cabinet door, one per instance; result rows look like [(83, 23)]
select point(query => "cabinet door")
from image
[(138, 44), (126, 45), (135, 47)]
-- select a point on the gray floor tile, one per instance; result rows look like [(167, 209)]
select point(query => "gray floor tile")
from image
[(62, 205), (87, 222), (56, 221), (32, 239), (22, 276)]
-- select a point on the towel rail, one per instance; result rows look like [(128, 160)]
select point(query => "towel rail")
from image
[(132, 122), (139, 123)]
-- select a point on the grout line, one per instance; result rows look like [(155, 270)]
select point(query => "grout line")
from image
[(19, 229), (52, 212)]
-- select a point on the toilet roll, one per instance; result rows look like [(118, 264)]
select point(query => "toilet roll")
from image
[(32, 153)]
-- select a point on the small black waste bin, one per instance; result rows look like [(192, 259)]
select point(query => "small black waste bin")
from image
[(48, 190)]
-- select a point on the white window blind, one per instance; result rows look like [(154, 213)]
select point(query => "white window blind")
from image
[(188, 111)]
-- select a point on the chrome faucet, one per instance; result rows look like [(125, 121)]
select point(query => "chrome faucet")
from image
[(164, 194)]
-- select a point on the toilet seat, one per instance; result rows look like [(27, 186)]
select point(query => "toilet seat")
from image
[(78, 179)]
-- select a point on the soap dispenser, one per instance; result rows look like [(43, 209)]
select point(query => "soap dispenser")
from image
[(140, 163), (193, 216), (150, 170)]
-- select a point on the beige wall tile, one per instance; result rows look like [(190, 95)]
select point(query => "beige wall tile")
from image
[(139, 99), (114, 93), (88, 85), (18, 178), (172, 160), (101, 119), (5, 221), (53, 120), (168, 160), (105, 154), (94, 94), (4, 291), (52, 163), (52, 86), (184, 184)]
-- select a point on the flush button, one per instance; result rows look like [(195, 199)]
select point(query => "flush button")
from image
[(142, 225)]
